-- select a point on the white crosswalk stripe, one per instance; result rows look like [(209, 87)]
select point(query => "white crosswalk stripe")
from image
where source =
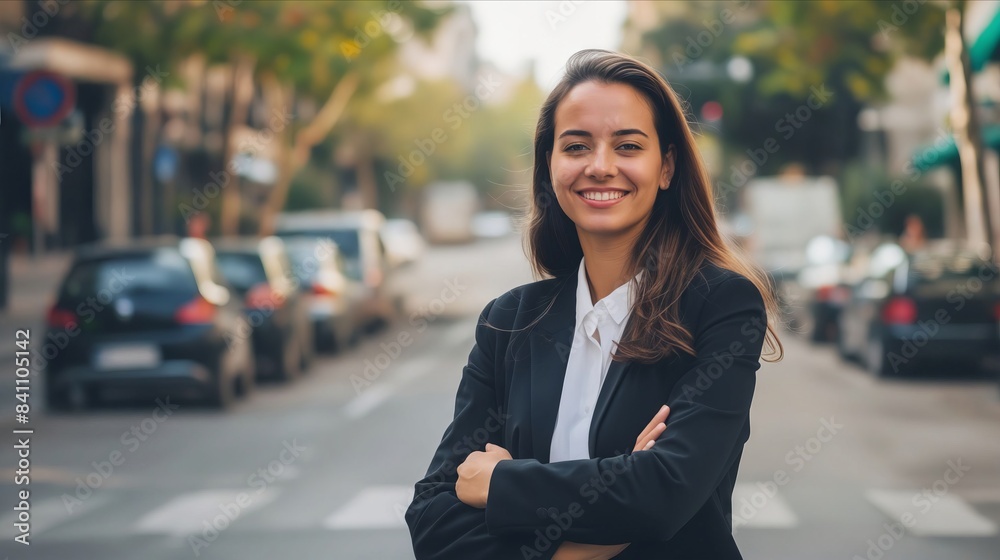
[(940, 516), (189, 513), (375, 507), (382, 507), (755, 508)]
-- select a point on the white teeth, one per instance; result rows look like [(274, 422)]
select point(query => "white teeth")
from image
[(590, 195)]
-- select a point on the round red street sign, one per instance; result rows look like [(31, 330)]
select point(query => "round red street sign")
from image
[(43, 98)]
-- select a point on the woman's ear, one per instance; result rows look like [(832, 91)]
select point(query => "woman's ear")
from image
[(667, 167)]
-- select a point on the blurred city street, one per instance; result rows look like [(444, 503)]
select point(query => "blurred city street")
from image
[(244, 247), (835, 456)]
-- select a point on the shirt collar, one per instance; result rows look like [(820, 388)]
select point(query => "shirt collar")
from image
[(618, 303)]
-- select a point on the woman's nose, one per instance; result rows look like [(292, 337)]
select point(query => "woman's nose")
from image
[(602, 164)]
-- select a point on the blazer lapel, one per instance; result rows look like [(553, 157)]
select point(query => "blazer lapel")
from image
[(616, 371), (551, 341)]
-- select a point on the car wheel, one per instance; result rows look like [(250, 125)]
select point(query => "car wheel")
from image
[(843, 351), (325, 338), (247, 383), (876, 360), (291, 360), (223, 395)]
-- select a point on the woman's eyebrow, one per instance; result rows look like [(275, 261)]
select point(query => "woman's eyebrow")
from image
[(622, 132)]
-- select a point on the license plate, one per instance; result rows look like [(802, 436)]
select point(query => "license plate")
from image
[(127, 356)]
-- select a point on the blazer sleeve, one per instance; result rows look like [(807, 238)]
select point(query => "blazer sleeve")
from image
[(442, 527), (650, 495)]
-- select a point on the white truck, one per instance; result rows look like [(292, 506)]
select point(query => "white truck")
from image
[(784, 214), (447, 211)]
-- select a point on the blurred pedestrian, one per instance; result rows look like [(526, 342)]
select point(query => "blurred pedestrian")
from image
[(914, 236), (198, 225), (556, 441)]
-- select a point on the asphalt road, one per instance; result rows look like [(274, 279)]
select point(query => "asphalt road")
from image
[(836, 464)]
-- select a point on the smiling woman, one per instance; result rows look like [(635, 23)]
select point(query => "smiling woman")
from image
[(648, 313), (607, 155)]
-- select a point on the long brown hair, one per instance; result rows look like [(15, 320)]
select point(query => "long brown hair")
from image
[(680, 235)]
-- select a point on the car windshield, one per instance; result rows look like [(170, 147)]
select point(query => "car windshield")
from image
[(242, 270), (957, 268), (305, 264), (347, 240), (158, 272)]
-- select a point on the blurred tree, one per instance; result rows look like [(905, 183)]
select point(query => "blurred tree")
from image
[(438, 131), (770, 63), (966, 129), (849, 45), (322, 51)]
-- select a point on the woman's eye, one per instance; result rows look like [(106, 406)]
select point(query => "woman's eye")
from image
[(631, 147), (573, 147)]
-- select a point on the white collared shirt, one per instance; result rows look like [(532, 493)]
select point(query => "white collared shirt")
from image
[(598, 326)]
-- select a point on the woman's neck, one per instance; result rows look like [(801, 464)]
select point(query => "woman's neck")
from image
[(605, 260)]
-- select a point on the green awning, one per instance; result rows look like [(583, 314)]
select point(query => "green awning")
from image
[(946, 152), (986, 47)]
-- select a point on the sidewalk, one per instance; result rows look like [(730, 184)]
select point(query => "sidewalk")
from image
[(33, 282)]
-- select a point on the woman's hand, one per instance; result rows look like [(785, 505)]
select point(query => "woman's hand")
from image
[(474, 474), (576, 551), (653, 430)]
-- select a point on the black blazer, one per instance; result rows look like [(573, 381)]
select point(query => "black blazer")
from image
[(673, 501)]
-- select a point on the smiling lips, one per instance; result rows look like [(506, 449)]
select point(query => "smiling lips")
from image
[(603, 195), (601, 198)]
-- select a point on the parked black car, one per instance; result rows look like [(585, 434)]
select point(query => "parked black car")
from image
[(939, 305), (149, 316), (260, 273)]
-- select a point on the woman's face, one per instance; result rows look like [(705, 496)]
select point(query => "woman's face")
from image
[(606, 163)]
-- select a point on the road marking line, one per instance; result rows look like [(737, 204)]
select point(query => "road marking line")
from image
[(375, 507), (48, 513), (418, 367), (381, 390), (753, 509), (188, 513), (949, 516), (368, 400)]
